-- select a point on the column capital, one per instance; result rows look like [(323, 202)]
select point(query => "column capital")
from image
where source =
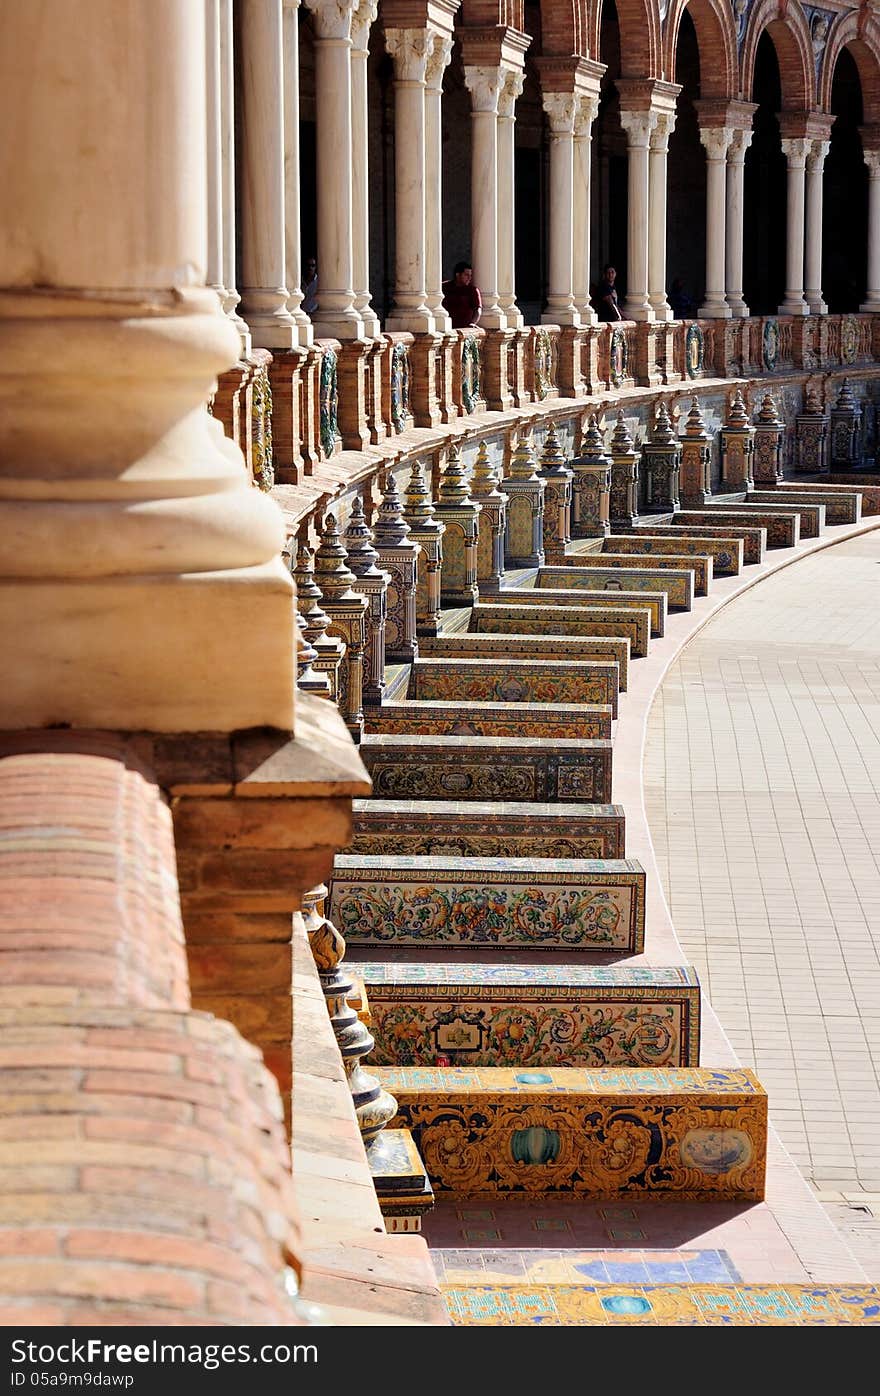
[(872, 160), (716, 141), (410, 49), (484, 85), (638, 126), (362, 21), (438, 60), (740, 141), (662, 131), (511, 90), (561, 108), (332, 17), (585, 116), (796, 149), (817, 156)]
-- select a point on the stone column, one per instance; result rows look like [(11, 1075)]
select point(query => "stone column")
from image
[(336, 317), (441, 52), (214, 149), (813, 241), (264, 293), (561, 108), (638, 126), (657, 212), (134, 554), (484, 85), (511, 90), (292, 249), (796, 150), (872, 299), (410, 49), (736, 155), (227, 172), (716, 140), (583, 131), (361, 22)]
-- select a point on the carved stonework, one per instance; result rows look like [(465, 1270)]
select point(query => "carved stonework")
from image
[(624, 476), (769, 441), (410, 50), (372, 583), (329, 649), (460, 514), (346, 609), (696, 456), (737, 441), (661, 465), (399, 557), (524, 533), (591, 486), (558, 491), (493, 514), (427, 531), (811, 437)]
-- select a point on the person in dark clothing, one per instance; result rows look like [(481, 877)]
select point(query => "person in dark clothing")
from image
[(606, 296), (462, 298)]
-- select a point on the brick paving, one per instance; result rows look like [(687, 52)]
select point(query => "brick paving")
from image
[(762, 768)]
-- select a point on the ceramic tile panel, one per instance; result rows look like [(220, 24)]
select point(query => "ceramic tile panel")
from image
[(529, 1017), (783, 529), (754, 540), (465, 645), (683, 1134), (580, 1267), (870, 493), (697, 1306), (462, 903), (726, 553), (699, 565), (505, 680), (655, 602), (531, 618), (608, 576), (505, 830), (484, 719), (841, 508), (631, 624), (477, 768)]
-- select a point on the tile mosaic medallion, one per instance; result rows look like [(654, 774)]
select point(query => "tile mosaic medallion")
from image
[(726, 553), (455, 718), (614, 1134), (462, 903), (754, 540), (755, 1306), (477, 768), (540, 1015), (783, 529), (839, 509), (504, 830), (505, 681), (678, 583)]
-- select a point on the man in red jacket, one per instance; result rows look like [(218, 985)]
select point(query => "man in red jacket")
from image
[(462, 298)]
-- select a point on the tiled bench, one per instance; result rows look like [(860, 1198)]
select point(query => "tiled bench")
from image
[(653, 601), (494, 626), (579, 573), (812, 516), (838, 481), (678, 584), (595, 621), (482, 719), (506, 680), (501, 904), (464, 644), (478, 768), (726, 553), (511, 829), (844, 507), (754, 540), (687, 1134), (783, 529), (532, 1015)]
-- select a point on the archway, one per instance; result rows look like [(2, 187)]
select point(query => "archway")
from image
[(765, 214), (608, 236), (686, 176), (845, 240)]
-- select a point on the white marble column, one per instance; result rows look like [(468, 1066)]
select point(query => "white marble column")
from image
[(264, 293), (716, 140), (583, 132), (796, 150), (733, 269), (361, 23), (410, 49), (227, 172), (872, 297), (657, 215), (214, 150), (292, 247), (813, 241), (638, 126), (441, 52), (511, 90), (561, 108), (484, 85), (336, 316)]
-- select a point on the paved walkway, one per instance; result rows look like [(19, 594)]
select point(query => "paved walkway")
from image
[(762, 790)]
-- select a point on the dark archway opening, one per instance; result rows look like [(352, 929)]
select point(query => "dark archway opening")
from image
[(686, 176), (609, 198), (765, 209), (845, 201)]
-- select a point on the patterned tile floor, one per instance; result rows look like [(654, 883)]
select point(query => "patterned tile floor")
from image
[(762, 790)]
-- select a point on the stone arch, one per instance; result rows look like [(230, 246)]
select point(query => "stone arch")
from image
[(564, 29), (640, 43), (716, 39), (787, 26), (863, 42)]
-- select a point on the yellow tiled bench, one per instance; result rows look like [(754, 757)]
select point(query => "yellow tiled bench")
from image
[(503, 829), (484, 719)]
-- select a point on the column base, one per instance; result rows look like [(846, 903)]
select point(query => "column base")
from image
[(714, 309), (794, 307), (492, 318), (416, 321), (661, 308), (566, 316), (638, 310), (738, 308), (872, 305), (338, 324)]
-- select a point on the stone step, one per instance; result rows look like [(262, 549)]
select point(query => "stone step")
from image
[(481, 719), (569, 904), (479, 768), (726, 553), (466, 645), (870, 492), (678, 584), (688, 1134), (654, 601), (511, 829), (842, 508), (689, 1305), (498, 624), (783, 529), (592, 621), (506, 680), (754, 540), (699, 566), (531, 1015)]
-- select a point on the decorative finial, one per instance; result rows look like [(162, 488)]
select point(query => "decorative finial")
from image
[(418, 506), (553, 456), (622, 443), (362, 556), (845, 400), (768, 415), (390, 529), (813, 403), (522, 462), (308, 595), (484, 479), (453, 481), (332, 573), (662, 433), (737, 417), (695, 426)]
